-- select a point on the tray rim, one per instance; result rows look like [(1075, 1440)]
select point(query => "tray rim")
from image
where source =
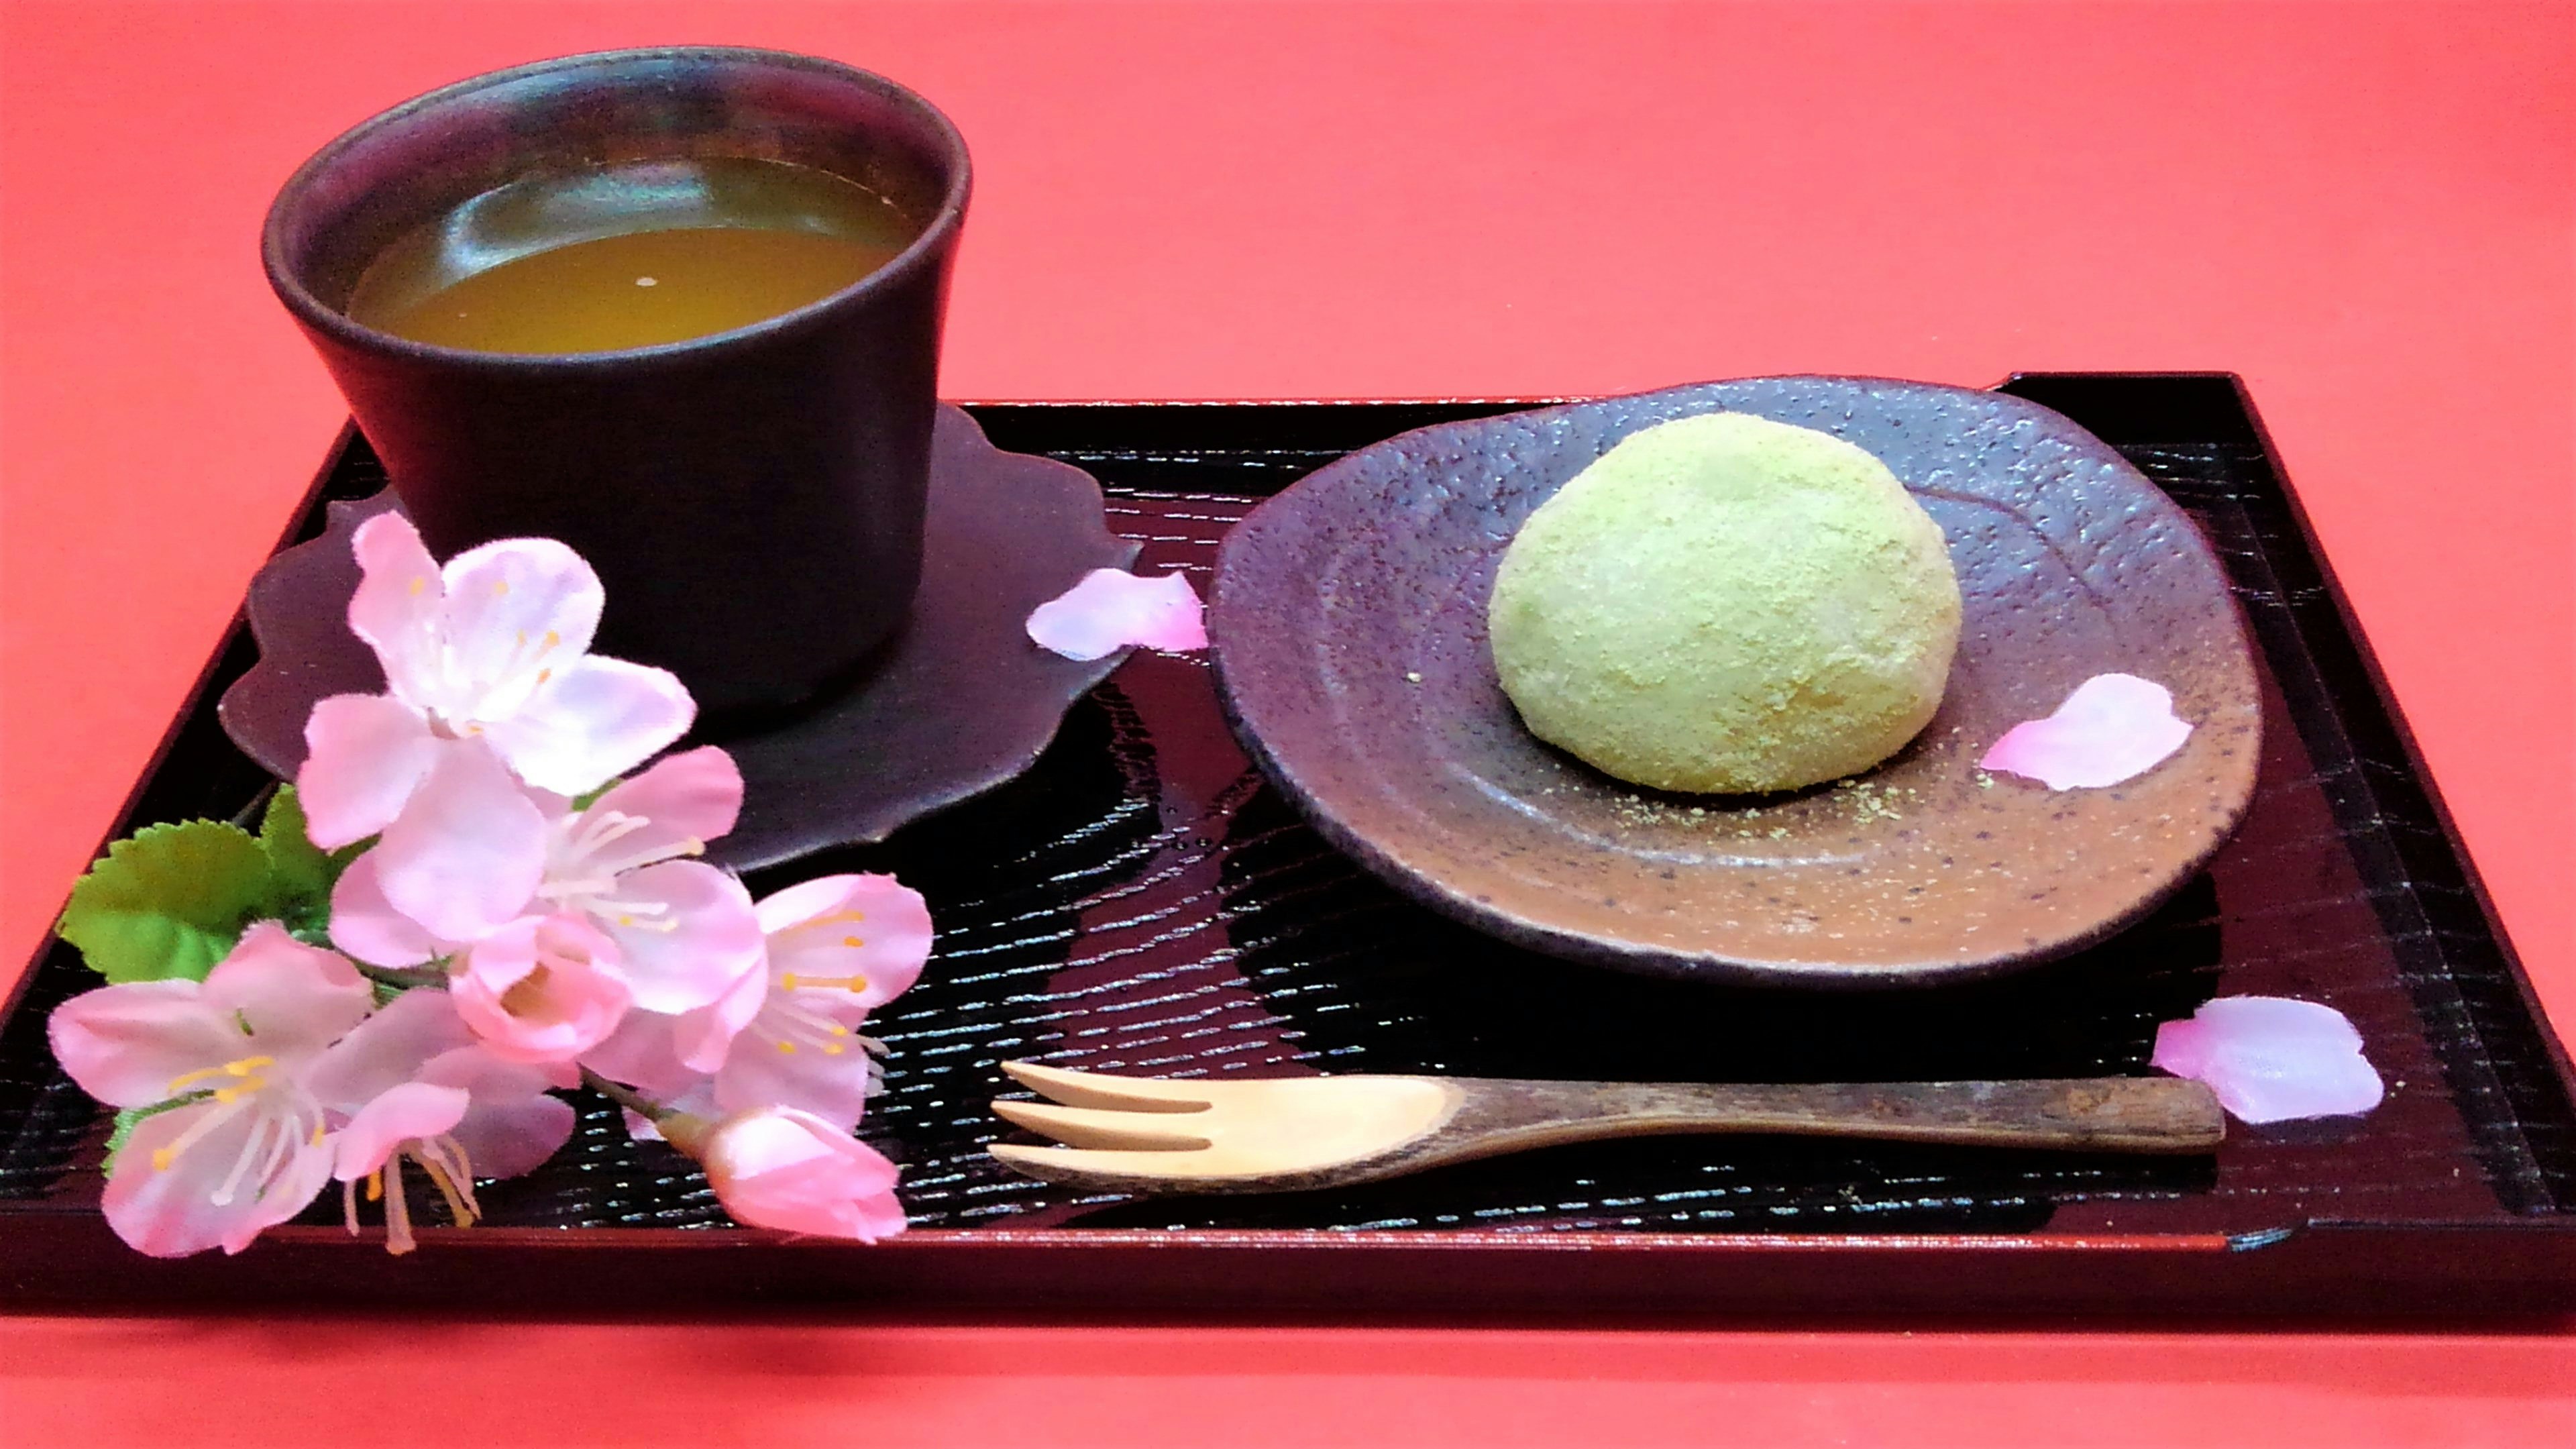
[(2551, 1235)]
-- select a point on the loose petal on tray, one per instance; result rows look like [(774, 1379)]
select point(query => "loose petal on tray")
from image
[(1111, 610), (2114, 727), (2272, 1059)]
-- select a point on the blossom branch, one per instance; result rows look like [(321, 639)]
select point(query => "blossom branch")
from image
[(624, 1096), (406, 977)]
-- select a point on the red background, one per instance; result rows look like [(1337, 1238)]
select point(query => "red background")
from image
[(2369, 210)]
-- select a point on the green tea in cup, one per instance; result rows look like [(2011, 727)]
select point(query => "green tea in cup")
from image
[(627, 256)]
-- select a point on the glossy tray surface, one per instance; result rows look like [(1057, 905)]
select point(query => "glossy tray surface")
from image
[(1143, 902)]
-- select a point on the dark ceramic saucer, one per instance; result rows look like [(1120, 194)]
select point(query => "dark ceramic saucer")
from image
[(959, 703), (1348, 621)]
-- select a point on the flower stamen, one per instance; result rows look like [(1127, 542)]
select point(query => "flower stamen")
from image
[(250, 1149), (237, 1067), (790, 981), (164, 1157), (398, 1239)]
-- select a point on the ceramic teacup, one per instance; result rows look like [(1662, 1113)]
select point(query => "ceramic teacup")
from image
[(752, 499)]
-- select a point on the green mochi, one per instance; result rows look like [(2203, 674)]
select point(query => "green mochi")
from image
[(1727, 604)]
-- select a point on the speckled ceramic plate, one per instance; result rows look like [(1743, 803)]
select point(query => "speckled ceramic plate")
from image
[(959, 703), (1348, 619)]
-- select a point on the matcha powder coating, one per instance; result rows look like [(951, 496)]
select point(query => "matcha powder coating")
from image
[(1727, 604)]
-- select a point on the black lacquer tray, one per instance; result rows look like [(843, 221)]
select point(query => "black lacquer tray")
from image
[(1142, 902)]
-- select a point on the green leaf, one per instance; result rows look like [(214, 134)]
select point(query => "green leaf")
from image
[(171, 901), (301, 873)]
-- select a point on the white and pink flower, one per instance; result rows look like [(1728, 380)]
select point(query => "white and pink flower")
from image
[(413, 1081), (554, 920), (558, 932), (494, 647), (837, 948), (541, 989), (250, 1146)]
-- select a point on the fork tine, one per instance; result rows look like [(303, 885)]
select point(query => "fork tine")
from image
[(1092, 1127), (1093, 1089), (1086, 1166)]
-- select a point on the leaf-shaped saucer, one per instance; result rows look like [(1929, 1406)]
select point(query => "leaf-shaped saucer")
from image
[(960, 702)]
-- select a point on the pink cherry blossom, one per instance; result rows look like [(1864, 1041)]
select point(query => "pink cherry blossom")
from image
[(412, 1082), (366, 926), (837, 948), (411, 1120), (2114, 727), (253, 1149), (511, 1124), (492, 647), (542, 989), (685, 932), (1112, 609), (467, 853), (2272, 1058), (780, 1168)]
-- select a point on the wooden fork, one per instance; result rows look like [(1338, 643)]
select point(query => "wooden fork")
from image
[(1144, 1135)]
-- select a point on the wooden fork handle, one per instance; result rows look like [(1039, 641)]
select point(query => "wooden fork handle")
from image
[(2098, 1114)]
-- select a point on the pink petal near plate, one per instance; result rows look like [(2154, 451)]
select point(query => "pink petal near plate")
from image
[(2114, 727), (1112, 609), (2271, 1058)]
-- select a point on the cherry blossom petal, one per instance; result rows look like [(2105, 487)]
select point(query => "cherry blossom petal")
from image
[(703, 1037), (393, 1117), (397, 610), (543, 988), (290, 1000), (685, 933), (365, 755), (864, 935), (127, 1045), (829, 1080), (2114, 727), (592, 720), (2271, 1058), (641, 1054), (387, 1050), (466, 855), (366, 925), (682, 802), (1112, 609), (190, 1179), (511, 1125), (784, 1169), (517, 607)]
